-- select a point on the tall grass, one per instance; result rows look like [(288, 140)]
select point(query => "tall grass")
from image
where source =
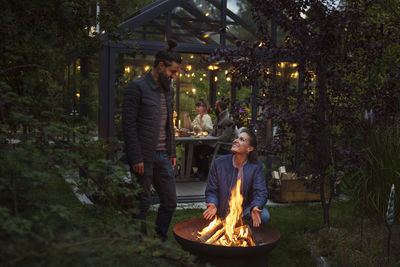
[(381, 156)]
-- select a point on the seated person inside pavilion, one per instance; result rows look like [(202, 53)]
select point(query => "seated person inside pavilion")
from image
[(224, 129), (226, 170), (202, 120)]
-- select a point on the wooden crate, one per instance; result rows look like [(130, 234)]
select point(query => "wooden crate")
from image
[(295, 191)]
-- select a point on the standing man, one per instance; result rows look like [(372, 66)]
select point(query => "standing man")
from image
[(148, 132)]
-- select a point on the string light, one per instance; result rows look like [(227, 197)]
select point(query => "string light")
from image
[(194, 91), (188, 67), (294, 75), (78, 95), (213, 67), (127, 69), (201, 79), (146, 68), (207, 14), (228, 79), (215, 79), (191, 56)]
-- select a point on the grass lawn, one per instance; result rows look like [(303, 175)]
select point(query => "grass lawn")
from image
[(301, 227)]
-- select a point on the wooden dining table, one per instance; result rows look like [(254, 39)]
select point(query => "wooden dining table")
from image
[(187, 153)]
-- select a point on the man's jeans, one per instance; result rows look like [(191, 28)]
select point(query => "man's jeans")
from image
[(161, 175)]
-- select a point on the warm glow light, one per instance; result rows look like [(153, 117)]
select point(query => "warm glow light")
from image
[(279, 73), (180, 75), (78, 95), (204, 75), (231, 231), (194, 90), (206, 35), (219, 93), (78, 67), (228, 79), (226, 72), (294, 75), (201, 79), (294, 65), (187, 92), (260, 44), (281, 65), (193, 75), (127, 69), (191, 56), (215, 79), (146, 68), (188, 67), (213, 67), (207, 14)]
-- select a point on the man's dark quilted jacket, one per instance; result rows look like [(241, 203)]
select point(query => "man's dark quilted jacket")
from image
[(141, 119)]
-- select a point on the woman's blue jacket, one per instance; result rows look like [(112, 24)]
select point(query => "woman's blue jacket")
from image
[(222, 178)]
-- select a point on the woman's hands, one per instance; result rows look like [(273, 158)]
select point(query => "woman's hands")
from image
[(255, 216), (210, 211), (185, 114)]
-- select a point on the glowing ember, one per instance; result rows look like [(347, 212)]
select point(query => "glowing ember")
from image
[(231, 231)]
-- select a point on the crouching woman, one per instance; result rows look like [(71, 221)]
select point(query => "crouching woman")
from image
[(226, 170)]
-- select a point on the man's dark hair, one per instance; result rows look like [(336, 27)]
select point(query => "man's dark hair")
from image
[(253, 155), (168, 55), (222, 104)]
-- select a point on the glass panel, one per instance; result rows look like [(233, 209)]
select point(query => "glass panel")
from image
[(242, 27)]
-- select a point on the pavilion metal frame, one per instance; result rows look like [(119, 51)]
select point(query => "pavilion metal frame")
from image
[(147, 47)]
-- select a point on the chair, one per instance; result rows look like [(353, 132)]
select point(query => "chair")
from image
[(216, 149)]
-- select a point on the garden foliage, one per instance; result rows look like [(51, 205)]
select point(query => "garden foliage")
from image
[(47, 151)]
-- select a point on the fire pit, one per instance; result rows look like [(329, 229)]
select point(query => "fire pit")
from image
[(265, 237)]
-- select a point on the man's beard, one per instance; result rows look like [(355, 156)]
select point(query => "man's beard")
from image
[(164, 82)]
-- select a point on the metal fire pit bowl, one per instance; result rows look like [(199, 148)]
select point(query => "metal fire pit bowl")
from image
[(185, 233)]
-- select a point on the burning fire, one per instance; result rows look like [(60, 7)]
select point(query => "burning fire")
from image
[(231, 231)]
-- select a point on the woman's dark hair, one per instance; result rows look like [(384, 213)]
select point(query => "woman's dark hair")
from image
[(253, 155), (203, 103), (168, 55)]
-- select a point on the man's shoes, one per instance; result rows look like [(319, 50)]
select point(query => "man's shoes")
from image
[(162, 237)]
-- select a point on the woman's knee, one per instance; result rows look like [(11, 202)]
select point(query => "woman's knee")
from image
[(264, 216)]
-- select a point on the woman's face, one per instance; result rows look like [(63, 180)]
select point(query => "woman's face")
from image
[(200, 109), (241, 145)]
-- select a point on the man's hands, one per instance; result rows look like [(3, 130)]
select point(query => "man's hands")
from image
[(138, 168), (210, 211), (255, 216), (173, 162)]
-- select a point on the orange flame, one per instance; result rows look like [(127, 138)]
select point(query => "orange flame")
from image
[(233, 232)]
